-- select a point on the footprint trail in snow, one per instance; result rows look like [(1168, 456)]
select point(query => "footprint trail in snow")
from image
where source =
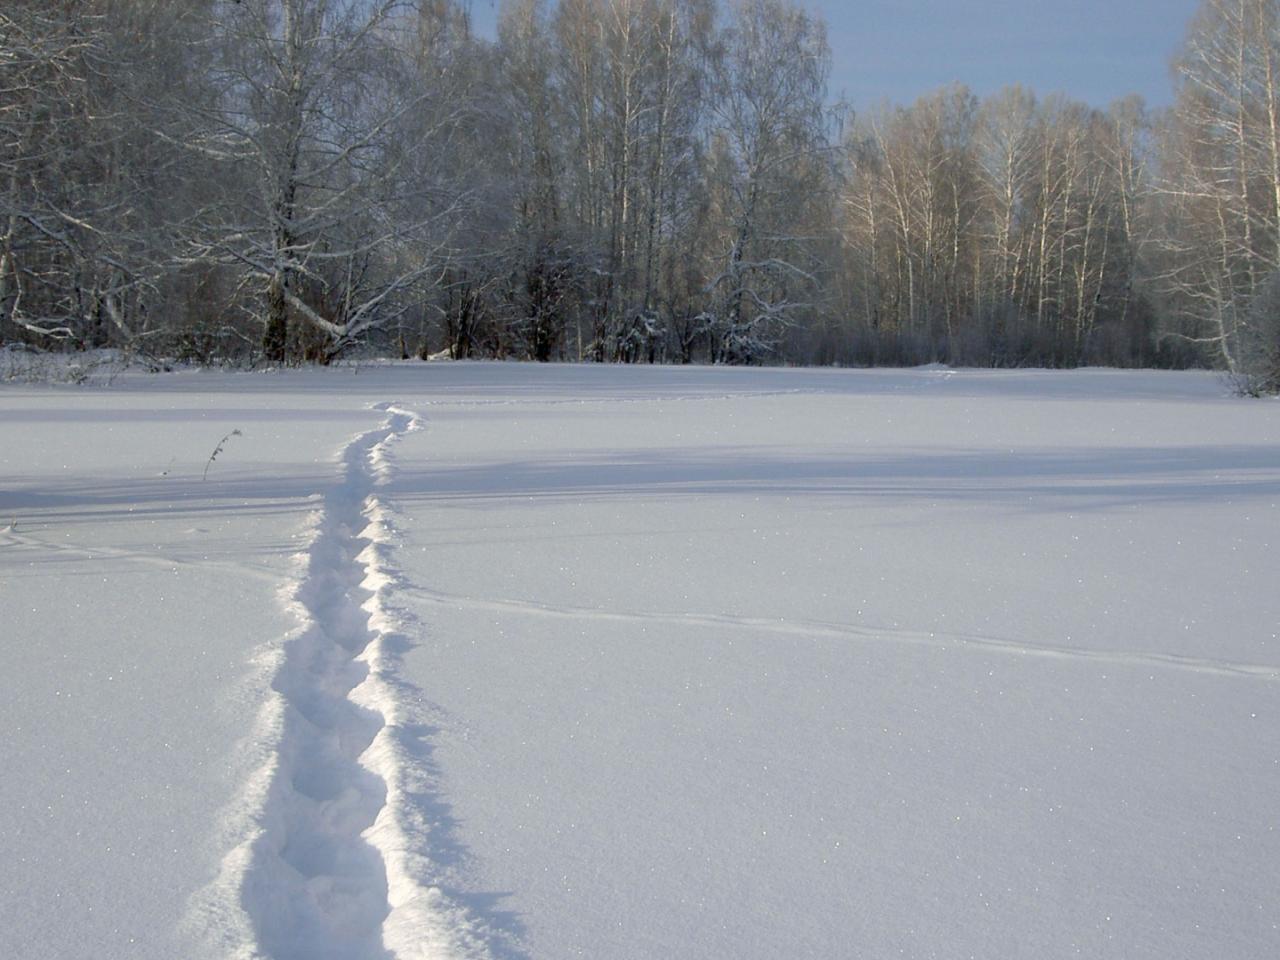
[(341, 868)]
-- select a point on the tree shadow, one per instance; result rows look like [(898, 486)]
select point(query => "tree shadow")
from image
[(1077, 479)]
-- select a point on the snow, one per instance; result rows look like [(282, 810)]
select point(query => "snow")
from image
[(491, 660)]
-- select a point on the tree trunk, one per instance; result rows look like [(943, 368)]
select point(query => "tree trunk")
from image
[(275, 341)]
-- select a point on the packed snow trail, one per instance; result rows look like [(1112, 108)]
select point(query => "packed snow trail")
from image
[(341, 868)]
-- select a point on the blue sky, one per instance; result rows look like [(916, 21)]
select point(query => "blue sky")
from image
[(1092, 50)]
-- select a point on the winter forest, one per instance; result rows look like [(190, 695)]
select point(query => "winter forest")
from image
[(616, 181)]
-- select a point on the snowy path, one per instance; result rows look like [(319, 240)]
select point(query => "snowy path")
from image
[(341, 869)]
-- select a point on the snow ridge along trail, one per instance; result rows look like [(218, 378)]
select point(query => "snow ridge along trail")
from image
[(340, 868)]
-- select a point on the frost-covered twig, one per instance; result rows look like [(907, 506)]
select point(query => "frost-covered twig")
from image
[(217, 450)]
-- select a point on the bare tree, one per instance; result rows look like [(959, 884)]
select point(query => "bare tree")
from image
[(617, 180), (87, 172), (1221, 182), (768, 145), (333, 214)]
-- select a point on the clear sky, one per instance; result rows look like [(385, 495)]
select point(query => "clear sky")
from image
[(1092, 50)]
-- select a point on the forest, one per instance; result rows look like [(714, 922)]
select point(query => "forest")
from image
[(657, 181)]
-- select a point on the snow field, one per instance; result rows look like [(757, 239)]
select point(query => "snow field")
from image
[(916, 665), (139, 609), (471, 661)]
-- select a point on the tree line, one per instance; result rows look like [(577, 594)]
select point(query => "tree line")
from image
[(616, 181)]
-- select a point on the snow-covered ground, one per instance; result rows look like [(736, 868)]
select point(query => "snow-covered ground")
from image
[(541, 662)]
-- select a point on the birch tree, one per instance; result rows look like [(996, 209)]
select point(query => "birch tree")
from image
[(89, 177), (1222, 180), (334, 218), (767, 154)]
